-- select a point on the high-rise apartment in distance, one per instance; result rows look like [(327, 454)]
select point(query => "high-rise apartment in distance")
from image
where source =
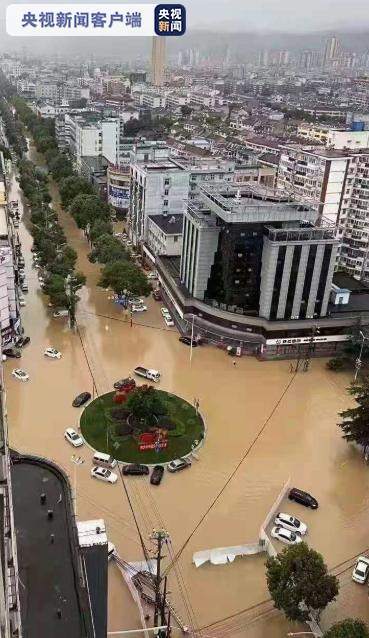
[(158, 60), (332, 50)]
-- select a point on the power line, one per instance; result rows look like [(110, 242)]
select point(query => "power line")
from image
[(233, 473)]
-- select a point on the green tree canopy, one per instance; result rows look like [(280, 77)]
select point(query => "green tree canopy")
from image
[(100, 227), (55, 289), (349, 628), (145, 403), (355, 421), (87, 208), (107, 249), (72, 186), (299, 582), (123, 275)]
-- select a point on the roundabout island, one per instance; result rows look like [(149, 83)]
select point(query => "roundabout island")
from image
[(140, 424)]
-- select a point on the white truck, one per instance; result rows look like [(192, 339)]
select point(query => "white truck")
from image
[(147, 373)]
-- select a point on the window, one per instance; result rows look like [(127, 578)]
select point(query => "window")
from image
[(165, 203), (166, 182), (166, 192), (175, 238)]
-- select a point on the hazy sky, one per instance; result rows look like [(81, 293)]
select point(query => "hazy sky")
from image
[(266, 15)]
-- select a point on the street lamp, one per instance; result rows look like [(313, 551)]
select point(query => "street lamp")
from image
[(358, 362), (77, 461)]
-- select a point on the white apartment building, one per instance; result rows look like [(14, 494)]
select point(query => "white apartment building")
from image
[(164, 234), (202, 99), (119, 187), (205, 170), (347, 139), (89, 138), (175, 99), (316, 176), (158, 187)]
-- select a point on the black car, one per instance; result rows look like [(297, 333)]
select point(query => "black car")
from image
[(157, 475), (81, 399), (22, 341), (12, 353), (135, 469), (187, 341), (303, 498), (124, 383)]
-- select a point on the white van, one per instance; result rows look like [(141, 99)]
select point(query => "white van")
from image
[(105, 460)]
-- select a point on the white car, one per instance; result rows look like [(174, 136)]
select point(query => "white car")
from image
[(291, 523), (165, 312), (103, 474), (285, 535), (72, 437), (22, 303), (168, 320), (178, 464), (52, 353), (152, 275), (361, 570), (138, 308), (21, 375)]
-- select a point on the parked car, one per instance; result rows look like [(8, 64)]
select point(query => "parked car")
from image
[(21, 375), (285, 535), (22, 302), (152, 275), (187, 341), (361, 570), (24, 287), (139, 308), (103, 474), (178, 464), (22, 341), (52, 353), (12, 353), (124, 383), (135, 469), (60, 313), (157, 475), (147, 373), (81, 399), (291, 523), (165, 312), (304, 498), (73, 438), (169, 321), (157, 295)]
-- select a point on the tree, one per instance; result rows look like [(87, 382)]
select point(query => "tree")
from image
[(87, 208), (123, 275), (100, 227), (55, 289), (73, 283), (72, 186), (145, 404), (299, 582), (107, 249), (355, 421), (349, 628)]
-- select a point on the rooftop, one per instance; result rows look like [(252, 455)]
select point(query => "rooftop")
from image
[(52, 601), (169, 224)]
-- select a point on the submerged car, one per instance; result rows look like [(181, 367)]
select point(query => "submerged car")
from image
[(304, 498), (138, 308), (52, 353), (12, 353), (103, 474), (81, 399), (73, 438), (361, 570), (135, 469), (285, 535), (157, 475), (291, 523), (21, 375), (178, 464), (187, 341)]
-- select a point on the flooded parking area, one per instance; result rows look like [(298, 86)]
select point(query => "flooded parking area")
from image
[(265, 426)]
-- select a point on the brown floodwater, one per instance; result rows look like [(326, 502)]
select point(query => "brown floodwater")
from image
[(287, 427)]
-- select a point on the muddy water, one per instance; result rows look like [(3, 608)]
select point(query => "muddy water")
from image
[(298, 439)]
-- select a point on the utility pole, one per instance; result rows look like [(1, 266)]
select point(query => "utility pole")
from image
[(314, 331), (159, 537)]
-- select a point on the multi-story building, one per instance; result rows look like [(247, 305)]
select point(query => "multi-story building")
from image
[(158, 187), (158, 61), (118, 188), (90, 137), (205, 170), (164, 235)]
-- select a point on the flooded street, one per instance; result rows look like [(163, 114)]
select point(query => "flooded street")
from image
[(285, 428)]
